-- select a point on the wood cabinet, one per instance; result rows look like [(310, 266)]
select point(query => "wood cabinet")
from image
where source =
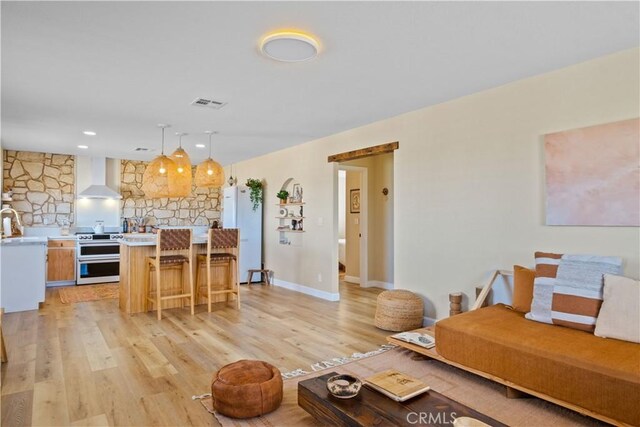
[(61, 261)]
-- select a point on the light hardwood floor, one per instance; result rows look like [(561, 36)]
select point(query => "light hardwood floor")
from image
[(89, 364)]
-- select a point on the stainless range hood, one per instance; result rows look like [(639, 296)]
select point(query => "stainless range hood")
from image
[(98, 188)]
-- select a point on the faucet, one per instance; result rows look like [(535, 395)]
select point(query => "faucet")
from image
[(20, 227)]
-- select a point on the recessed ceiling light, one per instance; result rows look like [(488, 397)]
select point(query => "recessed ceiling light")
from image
[(89, 132), (289, 46), (200, 145), (84, 147)]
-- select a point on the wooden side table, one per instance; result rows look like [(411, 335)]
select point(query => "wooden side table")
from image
[(263, 274)]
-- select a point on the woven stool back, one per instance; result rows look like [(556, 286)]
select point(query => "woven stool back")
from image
[(174, 239), (223, 238)]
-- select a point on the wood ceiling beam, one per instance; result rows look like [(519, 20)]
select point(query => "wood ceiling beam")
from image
[(364, 152)]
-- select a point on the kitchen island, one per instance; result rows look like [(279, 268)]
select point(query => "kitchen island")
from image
[(22, 273), (134, 250)]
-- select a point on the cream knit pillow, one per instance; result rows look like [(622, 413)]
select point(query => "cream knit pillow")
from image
[(619, 315)]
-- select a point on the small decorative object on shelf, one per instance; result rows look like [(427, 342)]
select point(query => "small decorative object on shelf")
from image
[(455, 303), (296, 197), (282, 195), (255, 194)]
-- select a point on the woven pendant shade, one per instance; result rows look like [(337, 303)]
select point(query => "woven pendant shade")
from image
[(181, 185), (209, 174), (158, 176)]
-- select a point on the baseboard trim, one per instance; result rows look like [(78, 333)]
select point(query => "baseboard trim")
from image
[(351, 279), (378, 284), (307, 290)]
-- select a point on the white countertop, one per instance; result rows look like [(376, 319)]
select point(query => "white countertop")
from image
[(20, 241), (63, 238), (150, 239)]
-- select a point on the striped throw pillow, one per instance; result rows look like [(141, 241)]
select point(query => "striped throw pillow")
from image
[(577, 294), (543, 284)]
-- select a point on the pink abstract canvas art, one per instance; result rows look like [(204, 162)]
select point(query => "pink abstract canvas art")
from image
[(593, 175)]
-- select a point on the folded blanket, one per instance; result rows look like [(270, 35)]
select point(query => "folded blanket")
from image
[(577, 292)]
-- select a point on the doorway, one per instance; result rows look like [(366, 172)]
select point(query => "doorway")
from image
[(365, 221), (352, 223)]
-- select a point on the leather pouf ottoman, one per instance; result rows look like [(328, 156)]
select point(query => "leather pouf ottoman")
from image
[(246, 388), (399, 310)]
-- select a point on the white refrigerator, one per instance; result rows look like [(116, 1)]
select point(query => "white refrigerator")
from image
[(237, 212)]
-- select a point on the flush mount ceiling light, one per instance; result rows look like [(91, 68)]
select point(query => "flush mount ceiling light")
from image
[(89, 132), (200, 146), (84, 147), (289, 46)]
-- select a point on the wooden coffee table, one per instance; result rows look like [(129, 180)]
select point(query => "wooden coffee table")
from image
[(370, 408)]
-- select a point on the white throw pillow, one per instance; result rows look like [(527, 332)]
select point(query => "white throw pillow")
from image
[(619, 315)]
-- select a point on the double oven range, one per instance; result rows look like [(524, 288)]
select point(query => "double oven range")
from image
[(98, 258)]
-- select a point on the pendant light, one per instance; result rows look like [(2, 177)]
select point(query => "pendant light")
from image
[(181, 186), (209, 173), (159, 174), (231, 180)]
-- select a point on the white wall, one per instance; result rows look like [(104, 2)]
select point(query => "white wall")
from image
[(342, 182), (352, 227), (468, 183)]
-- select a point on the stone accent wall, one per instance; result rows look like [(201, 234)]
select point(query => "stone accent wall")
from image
[(201, 208), (43, 186)]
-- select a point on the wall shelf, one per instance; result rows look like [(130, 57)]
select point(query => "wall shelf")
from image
[(291, 216), (282, 205)]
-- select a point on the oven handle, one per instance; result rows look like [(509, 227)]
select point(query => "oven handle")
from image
[(97, 261), (99, 243)]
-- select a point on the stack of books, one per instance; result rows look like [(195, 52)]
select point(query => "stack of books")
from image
[(396, 385), (423, 340)]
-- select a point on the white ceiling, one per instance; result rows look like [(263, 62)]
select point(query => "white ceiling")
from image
[(119, 68)]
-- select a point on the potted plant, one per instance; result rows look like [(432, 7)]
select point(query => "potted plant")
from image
[(255, 192), (283, 195)]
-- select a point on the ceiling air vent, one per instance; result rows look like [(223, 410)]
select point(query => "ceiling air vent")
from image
[(141, 149), (209, 103)]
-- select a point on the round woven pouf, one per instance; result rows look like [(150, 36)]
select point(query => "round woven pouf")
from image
[(399, 310), (247, 388)]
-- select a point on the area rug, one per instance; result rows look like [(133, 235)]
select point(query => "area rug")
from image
[(73, 294), (478, 393)]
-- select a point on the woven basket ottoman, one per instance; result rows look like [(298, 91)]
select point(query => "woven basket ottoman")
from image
[(246, 388), (399, 310)]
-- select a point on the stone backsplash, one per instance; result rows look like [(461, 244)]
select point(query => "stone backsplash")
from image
[(201, 208), (43, 186)]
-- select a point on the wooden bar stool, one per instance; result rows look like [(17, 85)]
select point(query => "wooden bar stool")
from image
[(175, 240), (3, 350), (221, 239)]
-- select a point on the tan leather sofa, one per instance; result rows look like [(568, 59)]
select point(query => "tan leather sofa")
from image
[(597, 374)]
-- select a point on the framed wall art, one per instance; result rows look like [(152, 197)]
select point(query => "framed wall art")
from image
[(592, 175), (354, 201)]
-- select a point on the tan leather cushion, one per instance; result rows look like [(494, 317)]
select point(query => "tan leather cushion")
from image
[(598, 374), (247, 388), (171, 259), (522, 288), (619, 316)]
